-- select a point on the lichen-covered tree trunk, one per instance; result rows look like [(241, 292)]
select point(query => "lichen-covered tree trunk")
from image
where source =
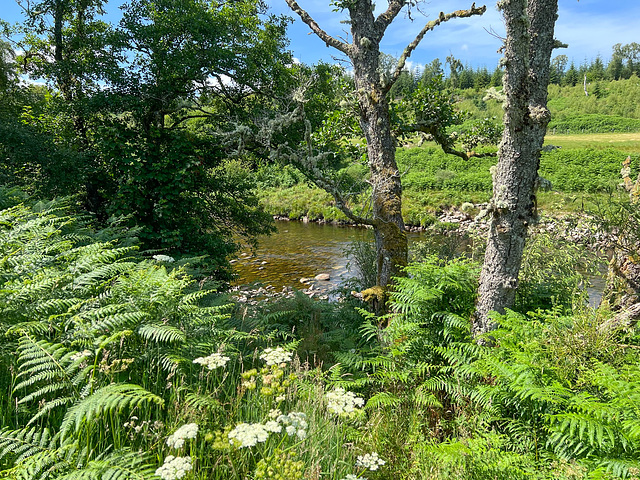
[(364, 52), (388, 224), (622, 292), (530, 26)]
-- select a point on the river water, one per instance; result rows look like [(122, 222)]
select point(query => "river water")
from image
[(303, 250)]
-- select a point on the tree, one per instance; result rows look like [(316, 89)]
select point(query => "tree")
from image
[(455, 68), (8, 75), (431, 71), (157, 98), (558, 64), (631, 53), (615, 67), (527, 52), (572, 77), (193, 67), (596, 70), (496, 77), (371, 91)]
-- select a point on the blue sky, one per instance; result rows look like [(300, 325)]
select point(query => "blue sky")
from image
[(590, 27)]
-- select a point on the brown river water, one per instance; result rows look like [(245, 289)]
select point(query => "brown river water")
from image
[(303, 250)]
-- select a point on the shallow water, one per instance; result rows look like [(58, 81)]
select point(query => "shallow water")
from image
[(301, 250)]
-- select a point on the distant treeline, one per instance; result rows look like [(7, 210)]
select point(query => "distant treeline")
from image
[(623, 63)]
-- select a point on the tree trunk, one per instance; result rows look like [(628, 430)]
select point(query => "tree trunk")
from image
[(388, 224), (528, 46), (364, 52)]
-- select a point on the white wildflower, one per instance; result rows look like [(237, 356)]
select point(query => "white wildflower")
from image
[(163, 258), (190, 430), (276, 356), (280, 398), (274, 413), (248, 434), (174, 468), (295, 424), (213, 361), (79, 355), (351, 476), (272, 426), (342, 402), (370, 461)]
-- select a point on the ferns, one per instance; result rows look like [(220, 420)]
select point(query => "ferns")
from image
[(84, 318), (112, 398)]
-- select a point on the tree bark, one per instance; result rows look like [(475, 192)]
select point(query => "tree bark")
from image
[(388, 224), (364, 52), (530, 26)]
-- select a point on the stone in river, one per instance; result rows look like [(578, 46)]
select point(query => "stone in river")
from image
[(323, 277)]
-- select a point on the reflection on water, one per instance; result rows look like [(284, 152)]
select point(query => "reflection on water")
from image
[(303, 250), (300, 250)]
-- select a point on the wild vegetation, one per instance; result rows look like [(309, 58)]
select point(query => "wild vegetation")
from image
[(128, 182)]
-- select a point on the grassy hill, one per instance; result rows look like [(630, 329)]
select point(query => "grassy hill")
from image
[(596, 133)]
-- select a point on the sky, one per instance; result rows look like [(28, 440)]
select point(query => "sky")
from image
[(590, 27)]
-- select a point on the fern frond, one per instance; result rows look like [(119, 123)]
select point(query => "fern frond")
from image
[(119, 465), (109, 399), (383, 399), (162, 333)]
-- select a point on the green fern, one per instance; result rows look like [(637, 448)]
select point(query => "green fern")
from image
[(109, 399)]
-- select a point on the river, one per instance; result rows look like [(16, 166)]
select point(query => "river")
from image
[(301, 250)]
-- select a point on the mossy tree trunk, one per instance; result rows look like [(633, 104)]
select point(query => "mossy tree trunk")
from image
[(372, 90), (527, 52)]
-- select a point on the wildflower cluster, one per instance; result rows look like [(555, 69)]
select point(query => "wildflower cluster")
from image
[(276, 356), (163, 258), (295, 424), (213, 361), (176, 440), (279, 466), (272, 376), (219, 439), (342, 402), (351, 476), (370, 461), (174, 468), (248, 435)]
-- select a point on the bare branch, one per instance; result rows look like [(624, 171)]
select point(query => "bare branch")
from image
[(324, 36), (429, 26), (385, 18), (445, 143)]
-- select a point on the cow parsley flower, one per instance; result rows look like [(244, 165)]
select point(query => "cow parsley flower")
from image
[(213, 361), (174, 468), (163, 258), (342, 402), (351, 476), (272, 426), (276, 356), (248, 434), (176, 440), (295, 424), (370, 461)]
